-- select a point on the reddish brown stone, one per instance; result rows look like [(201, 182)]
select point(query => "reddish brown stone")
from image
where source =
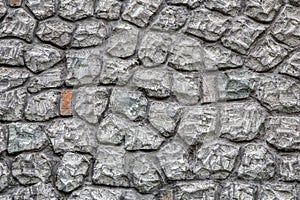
[(66, 103), (167, 196), (15, 3)]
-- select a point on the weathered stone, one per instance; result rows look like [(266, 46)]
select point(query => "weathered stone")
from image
[(41, 57), (171, 18), (15, 3), (295, 2), (155, 83), (90, 102), (186, 88), (71, 171), (241, 121), (55, 31), (215, 161), (196, 190), (257, 163), (154, 48), (164, 116), (207, 24), (89, 192), (3, 137), (12, 77), (3, 9), (108, 9), (25, 137), (243, 32), (186, 54), (283, 132), (12, 104), (83, 66), (36, 191), (11, 52), (117, 71), (43, 106), (278, 93), (143, 172), (209, 91), (52, 78), (174, 160), (286, 27), (262, 10), (4, 175), (265, 55), (278, 191), (109, 167), (72, 134), (129, 102), (231, 7), (197, 124), (132, 194), (41, 10), (18, 23), (139, 12), (289, 167), (89, 33), (123, 41), (291, 66), (31, 168), (236, 190), (66, 103), (75, 9)]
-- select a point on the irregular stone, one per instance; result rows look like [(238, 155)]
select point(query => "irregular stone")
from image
[(71, 171), (264, 11), (186, 54), (3, 137), (241, 121), (3, 9), (31, 168), (171, 18), (12, 104), (109, 167), (209, 91), (37, 191), (266, 55), (12, 77), (117, 71), (25, 137), (207, 24), (83, 66), (139, 12), (4, 175), (89, 33), (289, 167), (131, 103), (18, 23), (132, 194), (215, 161), (196, 190), (11, 52), (291, 66), (235, 190), (123, 41), (41, 10), (278, 191), (283, 132), (108, 9), (75, 9), (66, 103), (43, 106), (155, 83), (143, 172), (174, 160), (286, 27), (55, 31), (190, 3), (164, 116), (52, 78), (89, 192), (186, 88), (41, 57), (257, 163), (243, 32), (15, 3), (278, 93), (295, 2), (230, 7), (71, 134), (90, 102), (154, 49), (197, 124)]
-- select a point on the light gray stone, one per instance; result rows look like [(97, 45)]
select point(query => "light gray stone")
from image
[(75, 9), (12, 77), (89, 192), (42, 10), (257, 163), (71, 171), (264, 11), (31, 168), (4, 175), (278, 191), (43, 106), (26, 137), (231, 7), (190, 3), (11, 52), (3, 9), (236, 190), (3, 137), (108, 9), (209, 91), (18, 23), (289, 167), (291, 66)]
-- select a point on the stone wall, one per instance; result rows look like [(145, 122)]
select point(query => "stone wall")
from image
[(149, 99)]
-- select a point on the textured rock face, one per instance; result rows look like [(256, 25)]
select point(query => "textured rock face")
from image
[(11, 78), (4, 175), (41, 10), (278, 192), (262, 10), (11, 52), (231, 7), (291, 66), (196, 190), (238, 191), (108, 9), (75, 9)]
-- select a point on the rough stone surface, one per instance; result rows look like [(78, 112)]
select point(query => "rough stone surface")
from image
[(108, 9), (190, 3), (236, 190), (196, 190), (75, 9), (3, 9), (291, 66), (264, 11), (3, 137), (231, 7), (4, 175), (278, 191), (42, 10), (12, 78), (11, 52), (289, 167)]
